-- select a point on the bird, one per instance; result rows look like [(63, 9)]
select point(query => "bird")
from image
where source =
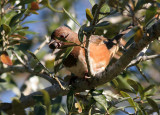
[(101, 51)]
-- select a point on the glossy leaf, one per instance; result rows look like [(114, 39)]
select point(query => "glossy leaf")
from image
[(94, 9), (153, 105), (102, 24), (100, 98), (89, 15), (70, 100), (5, 59), (13, 21), (71, 17), (150, 13), (130, 100), (81, 33)]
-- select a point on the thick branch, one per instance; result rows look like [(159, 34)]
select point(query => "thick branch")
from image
[(25, 69), (106, 76)]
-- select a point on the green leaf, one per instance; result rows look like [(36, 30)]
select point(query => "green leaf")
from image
[(72, 17), (56, 104), (150, 13), (6, 28), (92, 2), (149, 88), (89, 15), (39, 110), (133, 84), (38, 68), (81, 34), (47, 102), (13, 21), (153, 104), (7, 17), (30, 32), (100, 98), (94, 9), (130, 100), (17, 107), (70, 100), (28, 22), (68, 51), (102, 24), (58, 67), (136, 86), (105, 8)]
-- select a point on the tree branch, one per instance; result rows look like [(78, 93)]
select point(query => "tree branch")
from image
[(104, 77), (142, 58)]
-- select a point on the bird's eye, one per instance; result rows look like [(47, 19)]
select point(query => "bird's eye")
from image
[(62, 36)]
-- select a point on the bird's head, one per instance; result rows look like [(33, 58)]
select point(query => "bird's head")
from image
[(59, 37)]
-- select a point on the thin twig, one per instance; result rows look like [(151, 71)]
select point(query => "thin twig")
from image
[(142, 58), (143, 75), (42, 45)]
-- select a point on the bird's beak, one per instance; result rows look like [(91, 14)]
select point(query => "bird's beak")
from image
[(52, 44)]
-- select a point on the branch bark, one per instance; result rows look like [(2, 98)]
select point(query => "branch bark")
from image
[(111, 72)]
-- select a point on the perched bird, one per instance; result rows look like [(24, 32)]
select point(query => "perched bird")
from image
[(101, 50)]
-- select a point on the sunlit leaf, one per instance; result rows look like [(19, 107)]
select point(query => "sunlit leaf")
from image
[(89, 15), (153, 105), (71, 17), (47, 102), (130, 100), (70, 100), (102, 24), (100, 98), (105, 8), (5, 59), (92, 2)]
